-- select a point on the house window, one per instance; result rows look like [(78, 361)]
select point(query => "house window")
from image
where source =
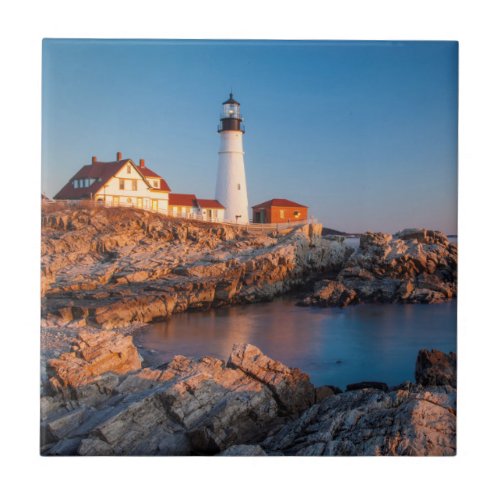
[(282, 214), (87, 183), (239, 187), (122, 183), (129, 169), (156, 184), (134, 184), (75, 183), (296, 213)]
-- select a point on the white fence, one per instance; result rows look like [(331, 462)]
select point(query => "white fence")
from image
[(257, 226)]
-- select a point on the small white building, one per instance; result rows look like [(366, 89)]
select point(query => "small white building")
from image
[(118, 183), (188, 206), (182, 205), (211, 210)]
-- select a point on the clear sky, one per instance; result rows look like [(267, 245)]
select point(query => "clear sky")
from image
[(364, 133)]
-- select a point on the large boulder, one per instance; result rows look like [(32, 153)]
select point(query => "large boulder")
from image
[(90, 370), (330, 293), (291, 387), (436, 368)]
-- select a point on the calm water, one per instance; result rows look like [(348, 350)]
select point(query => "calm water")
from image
[(334, 346)]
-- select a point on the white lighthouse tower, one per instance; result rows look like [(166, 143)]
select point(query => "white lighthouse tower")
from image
[(231, 189)]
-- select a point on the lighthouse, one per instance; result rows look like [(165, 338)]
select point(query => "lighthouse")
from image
[(231, 188)]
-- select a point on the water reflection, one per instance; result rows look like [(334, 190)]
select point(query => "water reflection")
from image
[(335, 346)]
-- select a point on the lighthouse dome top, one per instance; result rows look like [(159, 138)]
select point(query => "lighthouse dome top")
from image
[(231, 100)]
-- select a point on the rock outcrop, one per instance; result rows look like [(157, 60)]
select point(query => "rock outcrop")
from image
[(89, 370), (417, 421), (100, 401), (291, 387), (185, 407), (413, 266), (436, 368), (110, 267)]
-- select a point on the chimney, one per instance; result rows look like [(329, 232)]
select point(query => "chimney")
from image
[(118, 156), (94, 159), (141, 163)]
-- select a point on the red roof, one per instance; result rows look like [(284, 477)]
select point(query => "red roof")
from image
[(279, 202), (182, 200), (147, 172), (210, 204), (163, 186), (103, 171)]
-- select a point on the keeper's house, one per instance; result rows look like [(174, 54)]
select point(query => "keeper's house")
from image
[(279, 210), (116, 183)]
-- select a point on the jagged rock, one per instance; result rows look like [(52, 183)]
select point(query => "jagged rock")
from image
[(414, 265), (185, 407), (330, 293), (373, 422), (62, 425), (219, 406), (291, 386), (90, 370), (436, 368)]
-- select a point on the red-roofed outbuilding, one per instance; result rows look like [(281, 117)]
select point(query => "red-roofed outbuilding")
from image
[(279, 210)]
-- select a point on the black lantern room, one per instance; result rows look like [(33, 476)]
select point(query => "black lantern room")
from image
[(231, 118)]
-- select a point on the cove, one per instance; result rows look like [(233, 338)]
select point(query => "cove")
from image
[(367, 342)]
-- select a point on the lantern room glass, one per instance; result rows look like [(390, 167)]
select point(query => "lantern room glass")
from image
[(231, 111)]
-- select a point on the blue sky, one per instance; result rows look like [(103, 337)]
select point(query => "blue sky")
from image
[(365, 133)]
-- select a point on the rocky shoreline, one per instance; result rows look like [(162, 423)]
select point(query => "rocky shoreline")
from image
[(110, 268), (113, 267), (99, 400), (107, 271), (412, 266)]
